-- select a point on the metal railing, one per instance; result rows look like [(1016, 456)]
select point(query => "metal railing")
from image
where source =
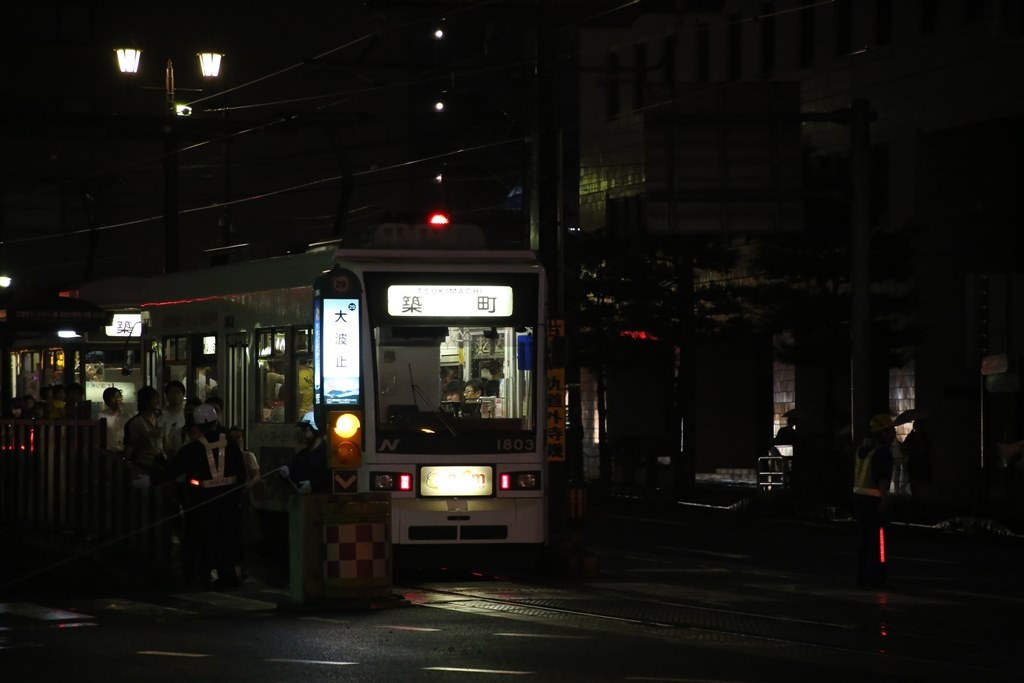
[(57, 477), (773, 471)]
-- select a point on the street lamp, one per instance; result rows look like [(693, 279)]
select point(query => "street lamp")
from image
[(128, 61), (129, 58)]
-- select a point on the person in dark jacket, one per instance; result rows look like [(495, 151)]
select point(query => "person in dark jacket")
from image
[(214, 472), (872, 476), (308, 468)]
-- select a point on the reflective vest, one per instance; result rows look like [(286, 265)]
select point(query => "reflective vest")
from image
[(863, 484), (216, 464)]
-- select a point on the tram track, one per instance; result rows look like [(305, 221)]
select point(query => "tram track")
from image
[(702, 626)]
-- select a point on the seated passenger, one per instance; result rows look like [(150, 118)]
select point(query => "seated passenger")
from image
[(471, 397), (451, 398)]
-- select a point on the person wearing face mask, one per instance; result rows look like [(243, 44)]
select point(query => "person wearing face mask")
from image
[(308, 468), (214, 471)]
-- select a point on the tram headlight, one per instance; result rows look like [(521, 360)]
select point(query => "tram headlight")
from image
[(345, 437)]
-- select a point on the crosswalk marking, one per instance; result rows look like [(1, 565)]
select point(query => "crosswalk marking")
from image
[(227, 600), (33, 611), (311, 661), (136, 608)]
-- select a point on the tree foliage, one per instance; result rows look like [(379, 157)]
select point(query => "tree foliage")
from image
[(642, 287)]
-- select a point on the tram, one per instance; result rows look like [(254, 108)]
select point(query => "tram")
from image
[(411, 324)]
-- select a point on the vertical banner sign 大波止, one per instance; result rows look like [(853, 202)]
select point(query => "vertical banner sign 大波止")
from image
[(337, 360)]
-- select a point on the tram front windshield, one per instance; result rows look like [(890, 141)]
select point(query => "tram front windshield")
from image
[(455, 379)]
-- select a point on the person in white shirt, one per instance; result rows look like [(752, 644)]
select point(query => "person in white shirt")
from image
[(206, 386), (113, 412), (174, 416)]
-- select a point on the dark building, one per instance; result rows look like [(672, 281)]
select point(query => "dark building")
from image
[(941, 79)]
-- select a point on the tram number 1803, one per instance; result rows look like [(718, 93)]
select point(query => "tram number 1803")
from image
[(516, 445)]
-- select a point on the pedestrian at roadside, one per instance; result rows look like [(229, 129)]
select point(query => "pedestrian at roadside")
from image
[(917, 447), (213, 468), (56, 402), (308, 467), (75, 407), (206, 385), (872, 476), (144, 433), (16, 409), (174, 416), (252, 463), (115, 415), (28, 402), (251, 529), (218, 404), (785, 444), (46, 393)]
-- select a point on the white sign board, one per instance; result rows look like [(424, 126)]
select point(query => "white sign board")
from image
[(456, 301), (125, 325)]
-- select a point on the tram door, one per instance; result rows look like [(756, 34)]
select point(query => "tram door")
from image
[(236, 380)]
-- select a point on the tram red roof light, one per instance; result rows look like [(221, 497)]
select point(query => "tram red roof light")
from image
[(438, 219)]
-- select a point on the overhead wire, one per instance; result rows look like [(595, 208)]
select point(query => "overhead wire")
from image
[(349, 95), (262, 127)]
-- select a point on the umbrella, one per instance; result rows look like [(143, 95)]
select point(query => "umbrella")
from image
[(908, 416)]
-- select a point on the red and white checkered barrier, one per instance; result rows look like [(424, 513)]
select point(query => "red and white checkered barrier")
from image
[(357, 551)]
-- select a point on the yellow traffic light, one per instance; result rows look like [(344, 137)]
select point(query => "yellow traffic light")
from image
[(345, 431)]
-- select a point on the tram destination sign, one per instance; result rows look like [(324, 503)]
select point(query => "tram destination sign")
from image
[(460, 301), (337, 321), (340, 320)]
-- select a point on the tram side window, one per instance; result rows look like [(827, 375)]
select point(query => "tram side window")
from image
[(53, 367), (479, 378), (272, 366), (303, 372), (29, 372), (176, 360)]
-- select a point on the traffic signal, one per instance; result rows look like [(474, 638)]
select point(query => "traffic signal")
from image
[(345, 438)]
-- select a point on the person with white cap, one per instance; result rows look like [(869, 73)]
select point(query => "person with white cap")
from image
[(214, 471), (308, 468), (872, 476)]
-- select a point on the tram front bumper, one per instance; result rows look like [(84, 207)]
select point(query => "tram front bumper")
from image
[(468, 520)]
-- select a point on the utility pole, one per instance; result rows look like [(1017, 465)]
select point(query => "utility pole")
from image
[(860, 267), (545, 231)]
